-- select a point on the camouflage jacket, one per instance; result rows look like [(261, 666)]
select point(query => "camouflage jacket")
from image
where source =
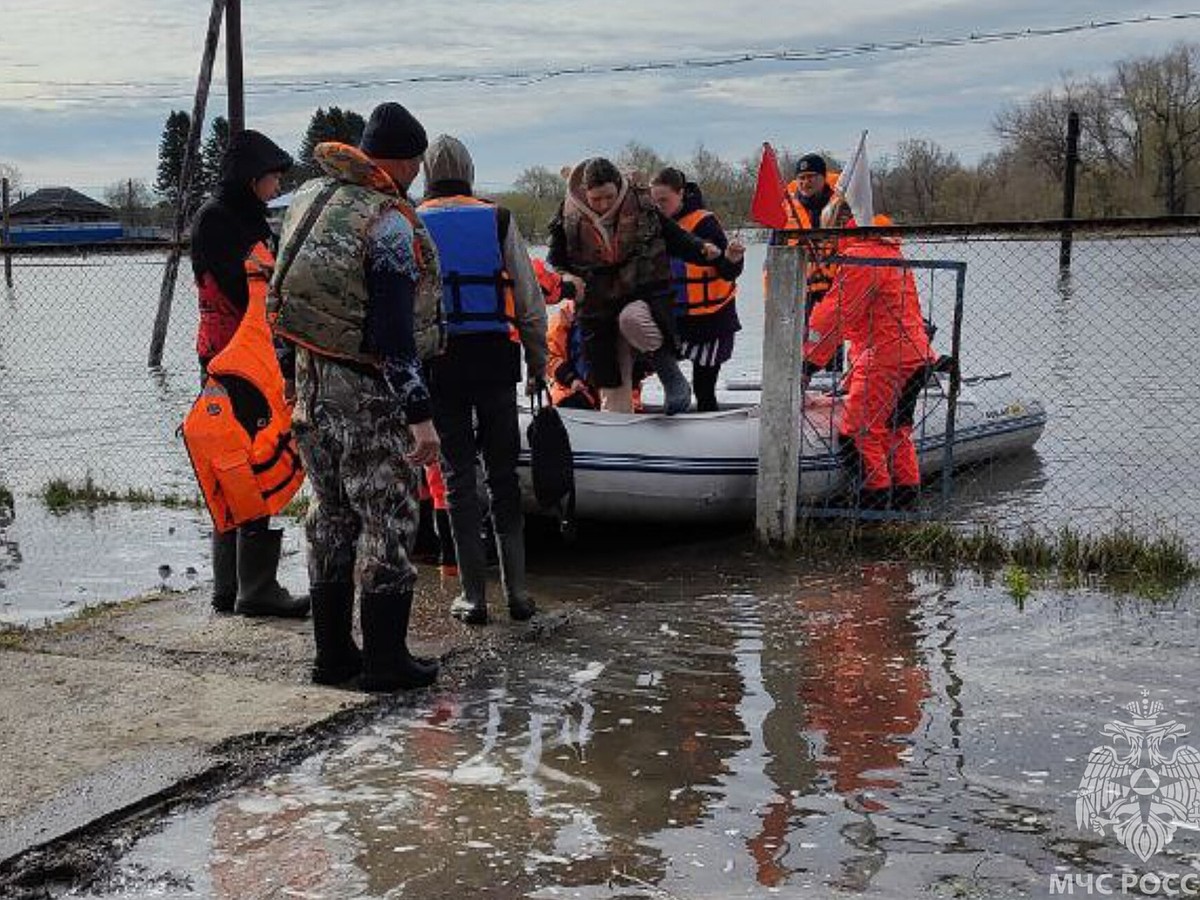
[(321, 301)]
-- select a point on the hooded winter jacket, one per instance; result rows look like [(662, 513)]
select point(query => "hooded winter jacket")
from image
[(622, 256), (224, 231)]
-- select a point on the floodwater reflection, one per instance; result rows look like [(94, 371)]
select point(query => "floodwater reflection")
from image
[(872, 731)]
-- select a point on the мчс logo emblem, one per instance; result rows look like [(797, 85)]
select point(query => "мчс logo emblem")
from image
[(1141, 788)]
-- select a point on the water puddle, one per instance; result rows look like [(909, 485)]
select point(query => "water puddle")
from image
[(789, 734)]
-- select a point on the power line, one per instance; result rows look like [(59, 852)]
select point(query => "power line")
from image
[(145, 90)]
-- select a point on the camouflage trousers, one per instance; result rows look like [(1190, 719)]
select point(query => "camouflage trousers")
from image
[(352, 436)]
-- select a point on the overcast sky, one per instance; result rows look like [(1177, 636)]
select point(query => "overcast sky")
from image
[(85, 85)]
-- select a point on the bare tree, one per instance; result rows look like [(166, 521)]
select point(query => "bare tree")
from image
[(541, 183), (13, 174), (133, 200), (913, 183), (1162, 96), (638, 157)]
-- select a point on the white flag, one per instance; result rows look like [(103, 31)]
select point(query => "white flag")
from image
[(855, 184)]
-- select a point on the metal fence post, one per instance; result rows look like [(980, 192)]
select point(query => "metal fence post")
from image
[(167, 293), (233, 66), (4, 235), (780, 405), (1064, 252)]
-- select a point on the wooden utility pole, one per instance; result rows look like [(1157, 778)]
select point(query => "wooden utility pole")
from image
[(780, 407), (8, 279), (182, 208), (233, 66), (1064, 252)]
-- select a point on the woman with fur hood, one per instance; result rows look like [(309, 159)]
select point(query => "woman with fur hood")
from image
[(617, 246)]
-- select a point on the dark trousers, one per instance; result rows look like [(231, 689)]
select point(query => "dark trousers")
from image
[(704, 384), (478, 419)]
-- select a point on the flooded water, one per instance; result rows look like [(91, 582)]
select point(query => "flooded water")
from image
[(1110, 352), (717, 726)]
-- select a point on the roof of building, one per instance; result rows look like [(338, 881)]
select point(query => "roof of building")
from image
[(59, 203)]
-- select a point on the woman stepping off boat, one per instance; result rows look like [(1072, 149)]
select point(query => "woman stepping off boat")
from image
[(610, 237)]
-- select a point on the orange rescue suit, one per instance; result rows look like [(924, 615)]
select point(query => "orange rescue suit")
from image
[(238, 433), (561, 363), (878, 310)]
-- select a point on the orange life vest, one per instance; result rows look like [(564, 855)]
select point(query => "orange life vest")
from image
[(549, 281), (818, 276), (699, 290), (238, 433)]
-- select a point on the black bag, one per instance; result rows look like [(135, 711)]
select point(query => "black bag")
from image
[(550, 461)]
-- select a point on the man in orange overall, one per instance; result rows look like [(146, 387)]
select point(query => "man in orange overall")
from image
[(876, 309)]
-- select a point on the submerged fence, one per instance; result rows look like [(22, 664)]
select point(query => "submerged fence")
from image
[(1100, 361)]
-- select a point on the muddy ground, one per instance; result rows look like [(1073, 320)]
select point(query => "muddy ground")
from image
[(125, 712)]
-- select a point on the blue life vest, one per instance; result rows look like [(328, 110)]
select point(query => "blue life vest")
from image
[(477, 296)]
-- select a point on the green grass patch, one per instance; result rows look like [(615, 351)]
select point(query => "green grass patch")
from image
[(1018, 584), (297, 507), (1149, 563), (12, 637), (61, 495)]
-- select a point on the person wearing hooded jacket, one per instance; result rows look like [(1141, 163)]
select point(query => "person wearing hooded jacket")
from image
[(609, 236), (493, 306), (705, 299), (228, 234)]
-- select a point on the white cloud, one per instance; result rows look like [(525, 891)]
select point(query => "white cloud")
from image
[(949, 95)]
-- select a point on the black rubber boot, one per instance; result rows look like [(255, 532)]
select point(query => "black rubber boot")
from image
[(259, 593), (511, 549), (906, 497), (425, 544), (874, 498), (471, 605), (447, 556), (338, 657), (224, 566), (677, 393), (387, 664), (469, 612)]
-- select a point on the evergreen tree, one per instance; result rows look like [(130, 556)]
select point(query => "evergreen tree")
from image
[(212, 154), (334, 124), (170, 155)]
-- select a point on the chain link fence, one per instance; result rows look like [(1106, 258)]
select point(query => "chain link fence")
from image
[(1105, 353), (1106, 349)]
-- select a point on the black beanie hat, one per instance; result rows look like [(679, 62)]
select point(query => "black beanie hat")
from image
[(811, 162), (393, 132)]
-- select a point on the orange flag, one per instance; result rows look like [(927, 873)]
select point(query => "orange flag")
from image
[(767, 208)]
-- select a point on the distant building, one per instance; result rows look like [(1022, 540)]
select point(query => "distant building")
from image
[(61, 215)]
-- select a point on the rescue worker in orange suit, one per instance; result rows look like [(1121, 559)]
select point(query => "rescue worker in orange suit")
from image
[(805, 197), (877, 309), (229, 234), (566, 367), (705, 298), (493, 309)]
